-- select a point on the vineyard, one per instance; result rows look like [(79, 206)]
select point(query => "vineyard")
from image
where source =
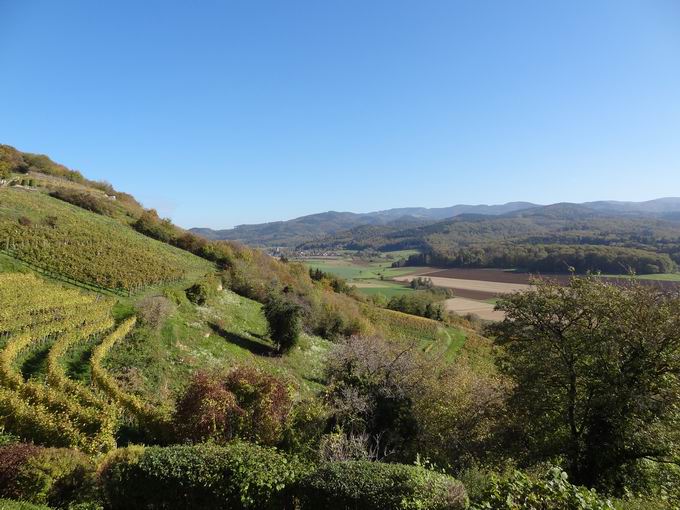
[(51, 408), (64, 240)]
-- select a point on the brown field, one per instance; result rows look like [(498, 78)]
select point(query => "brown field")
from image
[(474, 286), (470, 288), (484, 311)]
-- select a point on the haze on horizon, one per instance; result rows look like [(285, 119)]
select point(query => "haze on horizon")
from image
[(244, 112)]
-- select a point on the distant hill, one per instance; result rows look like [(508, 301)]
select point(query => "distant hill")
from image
[(290, 233), (346, 228)]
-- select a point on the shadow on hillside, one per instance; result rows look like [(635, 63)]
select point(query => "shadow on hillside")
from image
[(243, 342)]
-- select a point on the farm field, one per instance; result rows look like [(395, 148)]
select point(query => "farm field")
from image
[(472, 289), (477, 290), (482, 309), (374, 276)]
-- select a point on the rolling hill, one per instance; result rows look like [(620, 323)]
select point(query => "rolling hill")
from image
[(312, 230), (315, 226), (644, 237)]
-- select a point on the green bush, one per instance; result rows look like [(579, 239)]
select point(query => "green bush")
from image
[(519, 491), (284, 318), (362, 485), (236, 476), (57, 477), (200, 292)]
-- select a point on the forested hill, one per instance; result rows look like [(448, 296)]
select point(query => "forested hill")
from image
[(290, 233), (344, 226), (555, 238)]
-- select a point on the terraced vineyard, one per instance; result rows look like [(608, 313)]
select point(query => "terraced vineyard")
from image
[(67, 241), (52, 410)]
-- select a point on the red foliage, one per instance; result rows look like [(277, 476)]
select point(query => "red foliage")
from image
[(248, 403), (265, 400), (207, 411), (12, 458)]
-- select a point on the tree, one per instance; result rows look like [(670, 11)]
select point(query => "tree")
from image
[(284, 317), (596, 373)]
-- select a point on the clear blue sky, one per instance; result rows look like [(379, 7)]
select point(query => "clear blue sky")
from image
[(219, 113)]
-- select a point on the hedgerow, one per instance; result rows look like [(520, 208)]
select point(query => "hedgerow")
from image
[(236, 476)]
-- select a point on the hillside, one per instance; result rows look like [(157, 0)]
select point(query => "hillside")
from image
[(342, 228), (316, 226), (79, 234), (546, 239)]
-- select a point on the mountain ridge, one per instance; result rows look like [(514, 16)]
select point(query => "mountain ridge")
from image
[(293, 232)]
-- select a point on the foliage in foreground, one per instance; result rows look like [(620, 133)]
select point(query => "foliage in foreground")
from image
[(53, 476), (596, 373), (237, 476), (518, 491), (363, 485), (247, 403)]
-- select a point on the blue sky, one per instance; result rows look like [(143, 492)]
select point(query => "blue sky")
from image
[(219, 113)]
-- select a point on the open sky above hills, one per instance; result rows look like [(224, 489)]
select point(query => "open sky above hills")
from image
[(222, 113)]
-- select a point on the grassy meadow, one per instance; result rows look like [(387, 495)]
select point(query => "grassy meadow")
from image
[(370, 275)]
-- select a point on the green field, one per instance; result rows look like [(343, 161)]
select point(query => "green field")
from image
[(373, 276)]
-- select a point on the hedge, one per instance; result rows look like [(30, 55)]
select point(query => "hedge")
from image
[(236, 476), (362, 485)]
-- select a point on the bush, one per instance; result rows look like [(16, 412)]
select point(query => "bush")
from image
[(362, 485), (265, 401), (207, 410), (550, 492), (84, 200), (57, 477), (246, 403), (12, 458), (154, 310), (284, 320), (237, 476), (200, 292)]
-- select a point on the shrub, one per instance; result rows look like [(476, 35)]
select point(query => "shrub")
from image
[(237, 476), (207, 410), (246, 403), (266, 403), (362, 485), (200, 292), (12, 459), (153, 310), (284, 320), (84, 200), (57, 477), (550, 492)]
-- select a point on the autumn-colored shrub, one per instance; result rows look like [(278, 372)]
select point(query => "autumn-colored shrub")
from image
[(207, 410), (246, 403), (265, 401), (58, 477)]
